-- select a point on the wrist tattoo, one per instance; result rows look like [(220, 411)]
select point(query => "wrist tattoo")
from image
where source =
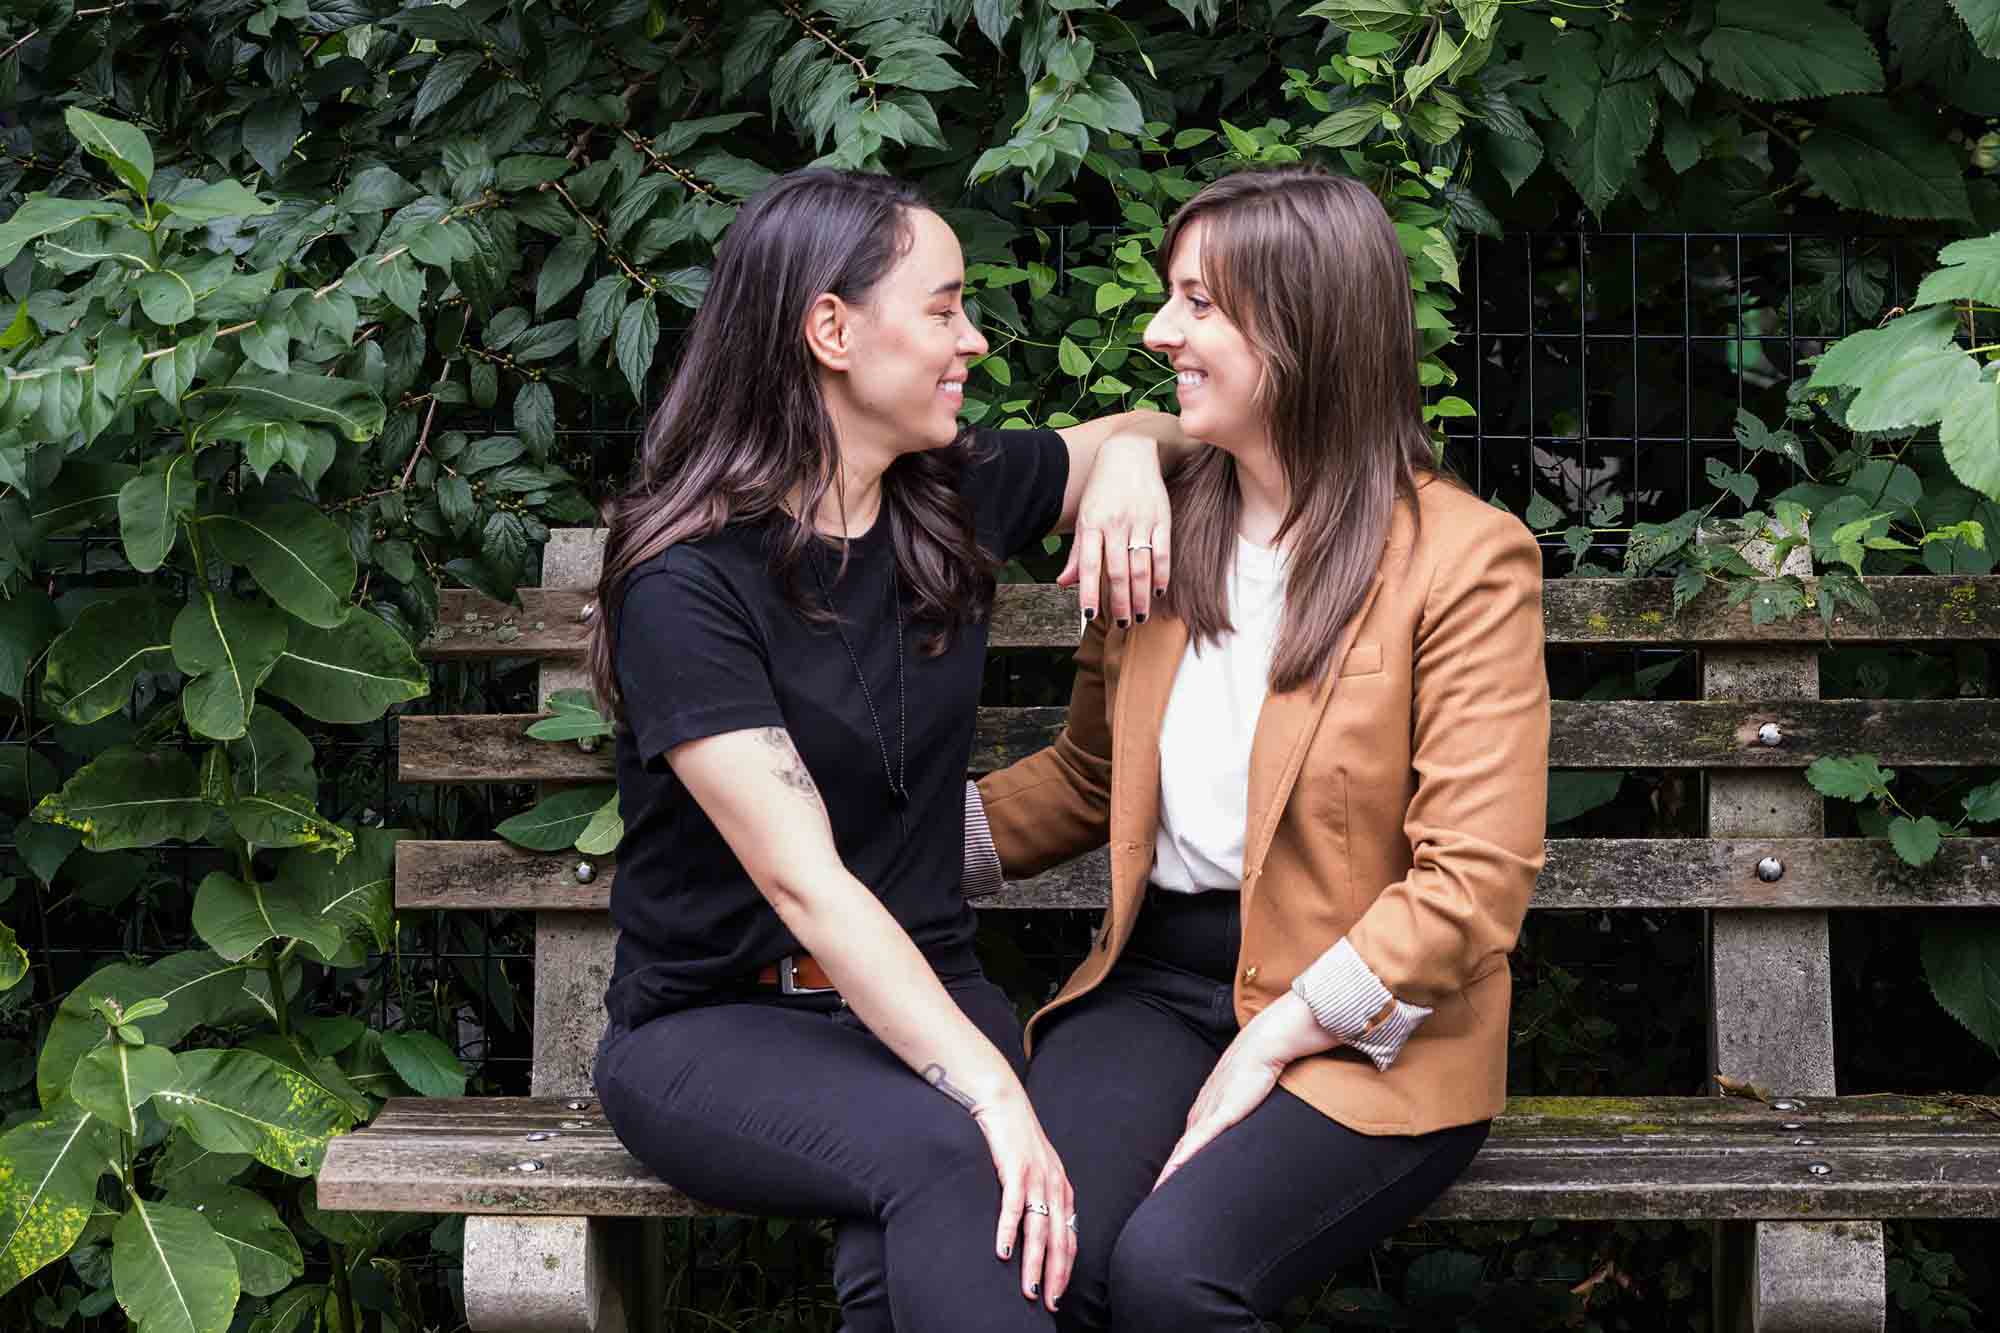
[(792, 770), (934, 1075)]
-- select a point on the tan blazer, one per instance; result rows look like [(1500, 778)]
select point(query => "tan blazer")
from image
[(1400, 802)]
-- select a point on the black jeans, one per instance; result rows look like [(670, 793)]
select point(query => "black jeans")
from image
[(1272, 1205), (792, 1107)]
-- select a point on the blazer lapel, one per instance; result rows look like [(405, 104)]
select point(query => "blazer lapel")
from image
[(1285, 728)]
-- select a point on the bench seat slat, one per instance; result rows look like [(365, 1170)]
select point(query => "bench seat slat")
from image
[(1593, 734), (1598, 873), (1937, 608), (1583, 1158)]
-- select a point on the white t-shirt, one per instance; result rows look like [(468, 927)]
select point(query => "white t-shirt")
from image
[(1205, 738)]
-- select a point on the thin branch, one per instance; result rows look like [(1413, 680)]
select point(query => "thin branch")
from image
[(423, 439), (32, 34), (866, 80), (660, 163)]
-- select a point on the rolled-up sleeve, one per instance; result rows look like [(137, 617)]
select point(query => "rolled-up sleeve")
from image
[(1480, 748)]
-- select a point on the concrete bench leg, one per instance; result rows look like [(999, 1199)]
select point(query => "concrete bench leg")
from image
[(543, 1275), (1770, 978)]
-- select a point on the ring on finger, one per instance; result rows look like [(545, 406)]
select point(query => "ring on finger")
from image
[(1070, 1222), (1039, 1209), (1138, 546)]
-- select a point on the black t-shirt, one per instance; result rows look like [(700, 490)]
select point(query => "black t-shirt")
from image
[(707, 643)]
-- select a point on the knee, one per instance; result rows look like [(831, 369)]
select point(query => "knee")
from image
[(1163, 1278)]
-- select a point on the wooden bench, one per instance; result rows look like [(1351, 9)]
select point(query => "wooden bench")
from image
[(561, 1216)]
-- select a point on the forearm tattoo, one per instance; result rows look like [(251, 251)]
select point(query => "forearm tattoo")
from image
[(792, 769), (934, 1075)]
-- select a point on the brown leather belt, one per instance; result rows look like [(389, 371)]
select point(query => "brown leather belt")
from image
[(796, 974)]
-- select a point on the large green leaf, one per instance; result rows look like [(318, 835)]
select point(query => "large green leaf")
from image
[(234, 918), (272, 755), (354, 672), (1914, 391), (1860, 358), (556, 821), (83, 494), (1961, 955), (1867, 153), (1969, 271), (266, 1252), (349, 406), (130, 798), (221, 199), (287, 819), (240, 1101), (199, 988), (1601, 157), (425, 1063), (41, 216), (173, 1274), (115, 1080), (152, 506), (49, 1169), (357, 893), (1783, 50), (28, 624), (1983, 17), (13, 959), (296, 554), (123, 147), (1970, 435), (94, 663), (227, 646)]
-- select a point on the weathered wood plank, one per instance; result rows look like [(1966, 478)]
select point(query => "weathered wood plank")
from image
[(1602, 612), (1596, 873), (493, 747), (1588, 1158)]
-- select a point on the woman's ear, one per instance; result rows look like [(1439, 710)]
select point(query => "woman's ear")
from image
[(829, 331)]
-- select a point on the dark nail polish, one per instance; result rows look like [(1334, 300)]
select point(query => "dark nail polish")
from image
[(1123, 623), (1141, 617), (1007, 1253), (1089, 614), (1034, 1290)]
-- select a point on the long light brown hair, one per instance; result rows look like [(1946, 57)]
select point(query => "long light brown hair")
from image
[(744, 426), (1308, 266)]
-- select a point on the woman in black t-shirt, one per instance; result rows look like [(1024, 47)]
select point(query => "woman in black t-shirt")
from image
[(795, 592)]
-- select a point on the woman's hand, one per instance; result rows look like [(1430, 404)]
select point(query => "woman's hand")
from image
[(1030, 1173), (1249, 1069), (1124, 530)]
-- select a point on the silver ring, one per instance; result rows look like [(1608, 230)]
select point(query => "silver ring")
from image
[(1138, 546), (1039, 1209), (1071, 1224)]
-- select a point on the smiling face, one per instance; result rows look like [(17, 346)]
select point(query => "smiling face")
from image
[(1216, 368), (899, 356)]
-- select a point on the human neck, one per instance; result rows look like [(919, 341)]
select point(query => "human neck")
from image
[(850, 506), (1266, 497)]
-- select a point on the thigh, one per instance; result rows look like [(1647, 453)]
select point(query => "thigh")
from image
[(1112, 1080), (766, 1109), (1280, 1200)]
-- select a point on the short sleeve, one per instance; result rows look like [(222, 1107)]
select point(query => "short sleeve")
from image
[(690, 660), (1016, 481)]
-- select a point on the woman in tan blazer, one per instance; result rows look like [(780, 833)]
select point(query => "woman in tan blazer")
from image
[(1321, 767)]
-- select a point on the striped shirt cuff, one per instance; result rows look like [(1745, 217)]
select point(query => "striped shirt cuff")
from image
[(1350, 1001), (982, 862)]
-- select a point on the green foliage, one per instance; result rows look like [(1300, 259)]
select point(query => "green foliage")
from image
[(320, 308)]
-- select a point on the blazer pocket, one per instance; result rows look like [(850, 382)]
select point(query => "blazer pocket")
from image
[(1363, 659)]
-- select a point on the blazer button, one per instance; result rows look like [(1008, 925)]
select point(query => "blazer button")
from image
[(1249, 974)]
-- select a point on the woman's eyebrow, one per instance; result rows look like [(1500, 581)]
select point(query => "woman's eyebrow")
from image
[(955, 285)]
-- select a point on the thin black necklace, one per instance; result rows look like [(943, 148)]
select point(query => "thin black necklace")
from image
[(899, 789)]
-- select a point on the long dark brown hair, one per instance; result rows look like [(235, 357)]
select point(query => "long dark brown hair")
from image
[(1308, 266), (744, 426)]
